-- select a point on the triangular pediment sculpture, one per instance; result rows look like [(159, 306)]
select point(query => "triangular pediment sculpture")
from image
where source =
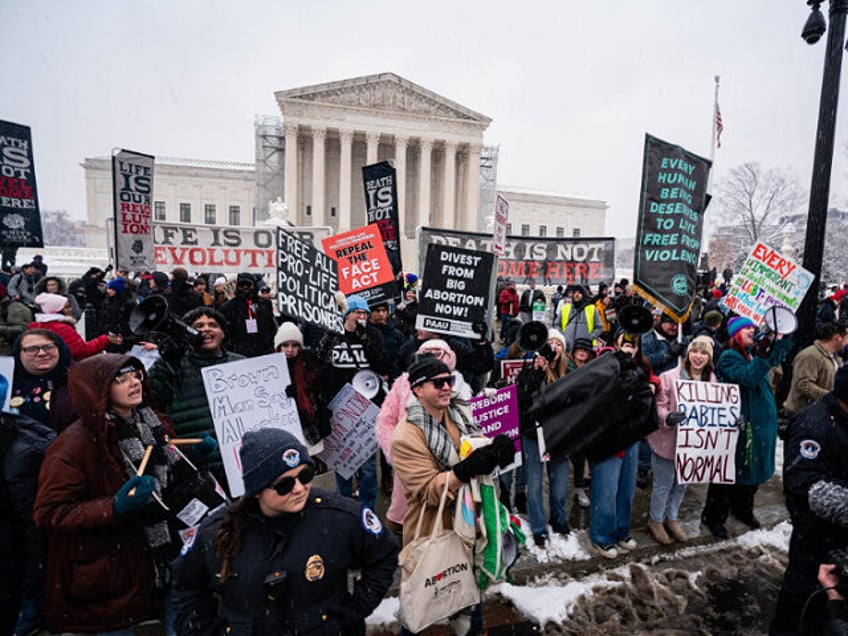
[(384, 91)]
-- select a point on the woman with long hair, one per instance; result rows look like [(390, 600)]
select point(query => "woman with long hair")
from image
[(666, 493)]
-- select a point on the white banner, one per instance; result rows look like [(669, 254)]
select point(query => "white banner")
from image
[(499, 234), (706, 439), (132, 186), (352, 440), (246, 395)]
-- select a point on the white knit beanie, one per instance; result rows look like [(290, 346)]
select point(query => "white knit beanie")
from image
[(287, 332)]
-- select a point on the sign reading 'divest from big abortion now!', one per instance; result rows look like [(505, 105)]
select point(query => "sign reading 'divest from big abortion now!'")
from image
[(706, 440), (766, 279)]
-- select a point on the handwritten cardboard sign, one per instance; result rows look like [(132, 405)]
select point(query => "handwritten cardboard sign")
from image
[(706, 440), (767, 278), (498, 415), (247, 395), (352, 439)]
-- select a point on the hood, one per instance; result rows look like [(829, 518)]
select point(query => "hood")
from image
[(41, 285), (61, 366), (89, 382), (161, 279)]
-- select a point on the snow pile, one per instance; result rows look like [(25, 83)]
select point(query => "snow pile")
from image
[(778, 537), (558, 547), (386, 613)]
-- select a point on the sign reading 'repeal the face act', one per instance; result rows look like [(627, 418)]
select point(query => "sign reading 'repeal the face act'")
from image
[(363, 264)]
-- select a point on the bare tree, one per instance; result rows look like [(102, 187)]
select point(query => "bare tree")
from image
[(60, 229), (751, 203)]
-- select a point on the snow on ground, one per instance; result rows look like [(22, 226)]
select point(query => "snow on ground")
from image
[(386, 612), (558, 548)]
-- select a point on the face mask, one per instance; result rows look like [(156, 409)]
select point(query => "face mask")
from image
[(362, 323)]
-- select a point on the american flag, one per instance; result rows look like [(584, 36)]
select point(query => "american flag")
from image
[(718, 125)]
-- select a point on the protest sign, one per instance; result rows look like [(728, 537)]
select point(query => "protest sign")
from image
[(306, 282), (455, 294), (223, 249), (352, 439), (20, 219), (499, 233), (7, 374), (132, 188), (510, 370), (706, 439), (246, 395), (498, 415), (363, 265), (554, 261), (381, 197), (671, 219), (767, 278)]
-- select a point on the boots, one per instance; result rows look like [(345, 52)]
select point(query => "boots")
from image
[(676, 531), (658, 532)]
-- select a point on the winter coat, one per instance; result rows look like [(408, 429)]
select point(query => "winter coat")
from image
[(182, 298), (100, 573), (655, 346), (41, 286), (349, 353), (45, 398), (393, 340), (114, 317), (64, 327), (314, 549), (23, 286), (573, 321), (813, 373), (14, 318), (22, 546), (663, 441), (242, 308), (508, 302), (757, 440)]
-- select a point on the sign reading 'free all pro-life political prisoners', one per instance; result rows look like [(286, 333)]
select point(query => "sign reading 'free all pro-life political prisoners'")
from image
[(20, 220), (306, 282), (766, 279), (671, 218), (246, 395), (706, 440), (455, 292)]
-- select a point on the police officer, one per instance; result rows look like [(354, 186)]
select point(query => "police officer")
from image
[(277, 561), (815, 482)]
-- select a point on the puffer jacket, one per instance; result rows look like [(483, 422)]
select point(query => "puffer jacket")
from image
[(100, 573), (63, 326)]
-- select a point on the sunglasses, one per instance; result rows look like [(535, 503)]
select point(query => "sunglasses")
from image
[(439, 383), (286, 484)]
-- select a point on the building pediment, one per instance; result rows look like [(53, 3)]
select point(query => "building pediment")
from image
[(383, 92)]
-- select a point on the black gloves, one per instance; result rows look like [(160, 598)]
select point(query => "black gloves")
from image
[(349, 620), (485, 459), (674, 418), (172, 351), (676, 349)]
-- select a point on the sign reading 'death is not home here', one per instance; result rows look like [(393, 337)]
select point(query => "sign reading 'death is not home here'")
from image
[(306, 282), (246, 395), (132, 184), (706, 440), (668, 236), (767, 278), (363, 265), (455, 292), (381, 199), (20, 220)]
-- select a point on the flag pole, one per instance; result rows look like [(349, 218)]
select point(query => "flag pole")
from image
[(714, 135)]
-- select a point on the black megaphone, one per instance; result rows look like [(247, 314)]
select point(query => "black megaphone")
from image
[(153, 315)]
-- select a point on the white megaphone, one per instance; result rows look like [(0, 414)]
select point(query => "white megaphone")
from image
[(778, 321)]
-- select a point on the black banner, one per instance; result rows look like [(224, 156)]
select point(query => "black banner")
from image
[(381, 199), (455, 291), (551, 261), (671, 219), (306, 282), (20, 219)]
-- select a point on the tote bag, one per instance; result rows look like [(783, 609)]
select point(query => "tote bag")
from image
[(437, 577)]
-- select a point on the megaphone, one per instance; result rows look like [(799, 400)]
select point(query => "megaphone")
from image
[(532, 336), (635, 320), (778, 320), (153, 315)]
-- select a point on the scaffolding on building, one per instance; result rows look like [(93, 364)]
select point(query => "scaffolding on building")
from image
[(488, 186), (270, 162)]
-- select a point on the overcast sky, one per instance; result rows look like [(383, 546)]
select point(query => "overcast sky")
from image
[(572, 86)]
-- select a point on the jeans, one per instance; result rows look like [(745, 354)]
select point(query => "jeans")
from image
[(666, 493), (644, 456), (367, 474), (558, 482), (613, 487), (516, 475), (505, 318)]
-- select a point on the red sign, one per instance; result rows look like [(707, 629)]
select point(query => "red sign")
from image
[(363, 263)]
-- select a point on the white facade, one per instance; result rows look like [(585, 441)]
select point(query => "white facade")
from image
[(553, 215)]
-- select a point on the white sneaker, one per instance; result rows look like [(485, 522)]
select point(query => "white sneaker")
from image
[(582, 497), (627, 544), (606, 551)]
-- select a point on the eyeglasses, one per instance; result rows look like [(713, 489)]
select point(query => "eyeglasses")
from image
[(286, 484), (129, 376), (34, 350), (439, 383), (434, 352)]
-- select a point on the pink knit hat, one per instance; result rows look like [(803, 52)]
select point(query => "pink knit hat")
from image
[(51, 303), (448, 356)]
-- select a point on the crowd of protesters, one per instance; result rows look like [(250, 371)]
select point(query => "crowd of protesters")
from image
[(88, 531)]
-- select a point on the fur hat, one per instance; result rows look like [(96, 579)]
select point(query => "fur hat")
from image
[(737, 324), (840, 384), (267, 453), (117, 284), (355, 303), (424, 368), (287, 332), (51, 303), (704, 343)]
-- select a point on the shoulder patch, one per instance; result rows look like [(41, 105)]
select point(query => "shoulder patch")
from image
[(809, 449), (371, 522), (189, 536)]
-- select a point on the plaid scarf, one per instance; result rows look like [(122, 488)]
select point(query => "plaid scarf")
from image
[(436, 435), (144, 429)]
